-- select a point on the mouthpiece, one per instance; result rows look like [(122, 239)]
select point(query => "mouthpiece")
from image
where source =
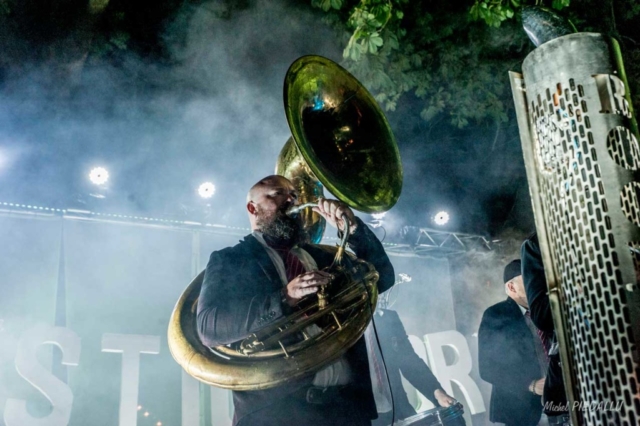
[(297, 209)]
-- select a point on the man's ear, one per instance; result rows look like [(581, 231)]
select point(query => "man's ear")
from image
[(511, 287), (251, 208)]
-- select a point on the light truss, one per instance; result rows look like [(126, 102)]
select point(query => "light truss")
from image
[(418, 242), (411, 241)]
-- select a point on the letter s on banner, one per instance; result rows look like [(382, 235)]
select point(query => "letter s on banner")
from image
[(55, 390)]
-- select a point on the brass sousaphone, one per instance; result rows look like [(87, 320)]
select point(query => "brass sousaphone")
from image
[(340, 136)]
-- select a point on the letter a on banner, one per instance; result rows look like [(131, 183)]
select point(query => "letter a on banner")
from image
[(55, 390)]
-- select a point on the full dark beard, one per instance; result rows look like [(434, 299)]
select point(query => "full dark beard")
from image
[(281, 227)]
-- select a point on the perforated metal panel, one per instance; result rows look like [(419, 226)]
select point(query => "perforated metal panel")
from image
[(582, 161)]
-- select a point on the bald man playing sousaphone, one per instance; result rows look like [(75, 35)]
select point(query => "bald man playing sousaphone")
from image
[(255, 283)]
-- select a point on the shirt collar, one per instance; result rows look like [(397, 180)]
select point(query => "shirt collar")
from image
[(308, 262), (270, 242)]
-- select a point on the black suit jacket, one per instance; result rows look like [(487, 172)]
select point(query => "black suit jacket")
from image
[(535, 285), (241, 294), (507, 359), (399, 356)]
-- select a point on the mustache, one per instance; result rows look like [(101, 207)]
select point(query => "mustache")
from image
[(285, 207), (282, 226)]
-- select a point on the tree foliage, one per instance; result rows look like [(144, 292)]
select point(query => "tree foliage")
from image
[(453, 56), (494, 12)]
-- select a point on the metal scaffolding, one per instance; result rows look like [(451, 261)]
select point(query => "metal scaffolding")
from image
[(410, 241), (414, 241)]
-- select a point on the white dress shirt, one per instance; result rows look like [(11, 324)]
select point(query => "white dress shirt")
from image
[(338, 373)]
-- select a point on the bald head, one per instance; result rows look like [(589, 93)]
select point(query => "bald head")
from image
[(515, 290), (269, 195), (265, 184)]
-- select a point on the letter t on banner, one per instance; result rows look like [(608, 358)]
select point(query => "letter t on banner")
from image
[(131, 346), (457, 372)]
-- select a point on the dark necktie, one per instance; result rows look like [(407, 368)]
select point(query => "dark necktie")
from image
[(292, 265)]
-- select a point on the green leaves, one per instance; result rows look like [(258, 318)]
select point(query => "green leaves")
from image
[(436, 104), (5, 7), (494, 12), (374, 41), (368, 19), (432, 51), (560, 4), (327, 5), (120, 40)]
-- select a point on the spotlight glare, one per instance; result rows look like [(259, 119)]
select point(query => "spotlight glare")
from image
[(405, 278), (377, 219), (206, 190), (99, 175), (441, 218)]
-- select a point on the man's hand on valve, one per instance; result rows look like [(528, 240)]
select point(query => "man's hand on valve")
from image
[(305, 284)]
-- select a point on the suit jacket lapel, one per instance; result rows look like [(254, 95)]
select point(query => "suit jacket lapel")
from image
[(520, 327), (260, 255), (322, 258), (514, 308)]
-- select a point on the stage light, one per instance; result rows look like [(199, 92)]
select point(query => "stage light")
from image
[(441, 218), (377, 219), (99, 175), (405, 278), (206, 190)]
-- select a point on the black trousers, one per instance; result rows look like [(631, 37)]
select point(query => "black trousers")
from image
[(554, 395), (310, 407)]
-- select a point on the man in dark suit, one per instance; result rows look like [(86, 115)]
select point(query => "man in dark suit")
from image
[(512, 356), (535, 285), (255, 283), (399, 356)]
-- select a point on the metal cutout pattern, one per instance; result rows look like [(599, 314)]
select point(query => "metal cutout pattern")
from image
[(577, 125), (623, 148), (630, 203)]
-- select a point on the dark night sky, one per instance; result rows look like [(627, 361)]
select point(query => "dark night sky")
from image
[(198, 98)]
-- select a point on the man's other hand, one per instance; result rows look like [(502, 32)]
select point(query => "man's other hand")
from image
[(443, 399), (538, 387)]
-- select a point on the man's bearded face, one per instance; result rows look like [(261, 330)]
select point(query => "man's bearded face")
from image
[(276, 224)]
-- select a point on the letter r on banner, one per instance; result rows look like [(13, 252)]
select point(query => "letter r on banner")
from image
[(457, 372)]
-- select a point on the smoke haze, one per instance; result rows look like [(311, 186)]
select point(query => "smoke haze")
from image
[(207, 108)]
